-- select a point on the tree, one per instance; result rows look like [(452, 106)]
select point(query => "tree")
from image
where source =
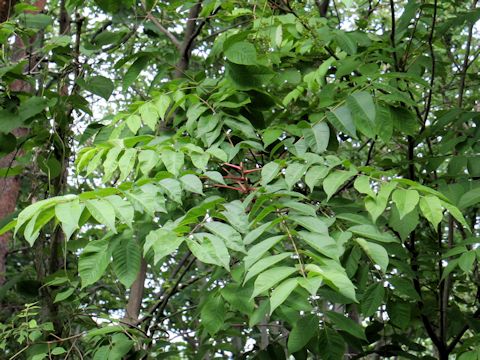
[(244, 180)]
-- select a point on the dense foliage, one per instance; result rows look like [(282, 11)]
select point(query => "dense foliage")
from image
[(243, 179)]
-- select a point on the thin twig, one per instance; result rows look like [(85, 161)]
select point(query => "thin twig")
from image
[(164, 30)]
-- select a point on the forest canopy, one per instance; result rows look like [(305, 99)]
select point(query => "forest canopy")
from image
[(241, 179)]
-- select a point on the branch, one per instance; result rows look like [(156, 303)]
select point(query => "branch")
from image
[(462, 332), (164, 30), (465, 66), (392, 34), (432, 55), (322, 7)]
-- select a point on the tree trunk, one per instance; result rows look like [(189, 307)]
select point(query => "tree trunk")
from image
[(136, 295), (10, 186)]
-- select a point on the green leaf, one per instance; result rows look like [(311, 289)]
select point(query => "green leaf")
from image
[(147, 160), (105, 330), (163, 242), (162, 104), (384, 123), (258, 250), (69, 215), (363, 108), (123, 209), (317, 137), (375, 252), (335, 277), (215, 176), (269, 136), (243, 53), (372, 232), (341, 119), (192, 183), (269, 278), (110, 163), (58, 351), (281, 293), (362, 185), (315, 174), (255, 233), (269, 172), (99, 85), (134, 122), (134, 70), (311, 223), (213, 314), (331, 345), (322, 243), (470, 198), (346, 42), (230, 236), (405, 200), (263, 264), (173, 161), (311, 284), (149, 115), (64, 295), (126, 261), (405, 287), (218, 153), (293, 173), (27, 213), (239, 297), (247, 77), (126, 163), (372, 299), (209, 249), (172, 188), (93, 262), (432, 209), (103, 212), (399, 313), (302, 332), (235, 214), (207, 124), (346, 324), (376, 205), (453, 210), (259, 313), (466, 260), (94, 162), (200, 161), (335, 180)]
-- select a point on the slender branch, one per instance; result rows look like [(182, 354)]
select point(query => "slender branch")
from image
[(156, 305), (214, 34), (164, 30), (416, 284), (432, 56), (463, 75), (462, 332), (392, 35), (445, 284), (370, 152)]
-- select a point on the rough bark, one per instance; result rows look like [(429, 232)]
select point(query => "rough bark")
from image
[(10, 186)]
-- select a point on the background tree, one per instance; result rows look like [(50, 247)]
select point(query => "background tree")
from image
[(241, 179)]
